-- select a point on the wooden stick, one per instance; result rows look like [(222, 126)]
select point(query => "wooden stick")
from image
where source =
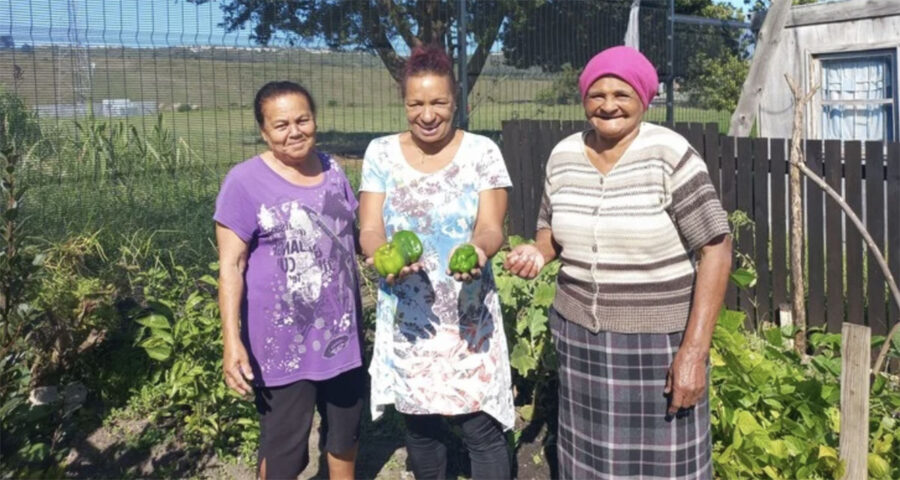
[(798, 290), (800, 101)]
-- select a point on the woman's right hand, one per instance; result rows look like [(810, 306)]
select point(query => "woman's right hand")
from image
[(236, 365), (525, 261), (406, 271)]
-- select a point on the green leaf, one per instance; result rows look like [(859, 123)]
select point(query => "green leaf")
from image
[(878, 385), (516, 240), (743, 277), (537, 321), (35, 452), (746, 423), (522, 358), (773, 336), (209, 280), (731, 320), (163, 334), (163, 307), (157, 348), (526, 412), (155, 320), (159, 353), (543, 295), (192, 301), (878, 467)]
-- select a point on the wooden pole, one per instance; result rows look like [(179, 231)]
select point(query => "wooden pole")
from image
[(798, 290), (854, 438), (766, 44)]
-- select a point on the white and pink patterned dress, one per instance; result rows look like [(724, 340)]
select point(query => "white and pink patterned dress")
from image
[(439, 343)]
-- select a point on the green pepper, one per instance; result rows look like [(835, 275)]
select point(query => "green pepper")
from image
[(464, 259), (409, 244), (389, 260)]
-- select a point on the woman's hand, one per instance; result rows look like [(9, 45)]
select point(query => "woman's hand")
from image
[(526, 261), (404, 272), (474, 272), (686, 379), (236, 364)]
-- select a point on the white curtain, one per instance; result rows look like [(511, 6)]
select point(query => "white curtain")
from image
[(857, 79), (632, 33)]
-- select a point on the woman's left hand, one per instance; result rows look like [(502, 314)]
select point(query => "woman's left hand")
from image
[(473, 273), (686, 379)]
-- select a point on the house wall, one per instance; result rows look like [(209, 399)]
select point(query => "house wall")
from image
[(855, 25)]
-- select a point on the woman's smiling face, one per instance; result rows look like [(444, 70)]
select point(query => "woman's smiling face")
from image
[(613, 108), (289, 127), (430, 106)]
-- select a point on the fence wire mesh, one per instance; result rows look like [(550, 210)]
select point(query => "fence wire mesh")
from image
[(143, 105)]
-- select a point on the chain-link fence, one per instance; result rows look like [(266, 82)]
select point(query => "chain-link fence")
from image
[(144, 104)]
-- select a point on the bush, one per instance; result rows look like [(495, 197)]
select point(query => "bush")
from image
[(18, 125), (564, 90)]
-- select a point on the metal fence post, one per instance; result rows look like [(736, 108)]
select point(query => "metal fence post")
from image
[(670, 64), (463, 104)]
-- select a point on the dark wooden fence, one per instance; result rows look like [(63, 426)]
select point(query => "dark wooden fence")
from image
[(750, 175)]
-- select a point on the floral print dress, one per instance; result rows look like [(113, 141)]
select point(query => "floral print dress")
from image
[(439, 343)]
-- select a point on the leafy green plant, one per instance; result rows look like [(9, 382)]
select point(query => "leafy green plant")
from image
[(525, 305), (181, 333)]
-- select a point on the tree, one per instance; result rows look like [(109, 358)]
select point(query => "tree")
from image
[(372, 25), (553, 33)]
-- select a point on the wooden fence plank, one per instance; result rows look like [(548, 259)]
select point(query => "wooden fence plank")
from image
[(815, 305), (834, 245), (893, 226), (711, 153), (695, 136), (875, 212), (853, 192), (854, 436), (729, 200), (537, 141), (513, 155), (745, 204), (779, 219), (761, 230)]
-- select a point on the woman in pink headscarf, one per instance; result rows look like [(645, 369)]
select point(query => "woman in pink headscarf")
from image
[(629, 209)]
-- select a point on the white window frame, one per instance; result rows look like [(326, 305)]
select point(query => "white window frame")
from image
[(814, 112)]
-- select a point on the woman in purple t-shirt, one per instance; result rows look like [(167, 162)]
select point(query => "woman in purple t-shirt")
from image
[(288, 289)]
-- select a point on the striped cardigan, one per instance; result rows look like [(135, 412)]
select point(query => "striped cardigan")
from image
[(628, 237)]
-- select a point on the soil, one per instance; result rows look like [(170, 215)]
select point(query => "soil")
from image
[(118, 450)]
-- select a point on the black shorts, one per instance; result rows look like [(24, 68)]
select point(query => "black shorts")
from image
[(286, 414)]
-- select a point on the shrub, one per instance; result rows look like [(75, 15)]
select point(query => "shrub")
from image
[(563, 91)]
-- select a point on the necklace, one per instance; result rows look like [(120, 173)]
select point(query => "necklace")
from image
[(425, 156), (422, 155)]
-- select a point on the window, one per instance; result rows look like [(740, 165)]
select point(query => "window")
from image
[(858, 96)]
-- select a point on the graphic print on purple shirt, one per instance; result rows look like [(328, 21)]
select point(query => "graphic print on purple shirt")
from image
[(300, 312)]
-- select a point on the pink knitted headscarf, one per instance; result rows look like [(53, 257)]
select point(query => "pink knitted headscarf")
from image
[(625, 63)]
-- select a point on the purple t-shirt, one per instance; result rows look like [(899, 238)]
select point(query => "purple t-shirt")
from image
[(301, 310)]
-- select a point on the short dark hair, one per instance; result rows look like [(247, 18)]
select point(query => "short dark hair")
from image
[(277, 89), (428, 59)]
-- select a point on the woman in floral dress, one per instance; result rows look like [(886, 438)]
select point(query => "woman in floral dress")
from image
[(440, 353)]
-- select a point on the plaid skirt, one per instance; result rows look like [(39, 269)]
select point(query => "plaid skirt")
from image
[(612, 411)]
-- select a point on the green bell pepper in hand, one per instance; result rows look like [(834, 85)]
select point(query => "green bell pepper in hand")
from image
[(409, 245), (464, 259), (389, 260)]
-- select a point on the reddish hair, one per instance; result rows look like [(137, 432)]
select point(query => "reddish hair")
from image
[(428, 59)]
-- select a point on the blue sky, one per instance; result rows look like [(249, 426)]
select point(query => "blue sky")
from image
[(149, 23), (146, 23)]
